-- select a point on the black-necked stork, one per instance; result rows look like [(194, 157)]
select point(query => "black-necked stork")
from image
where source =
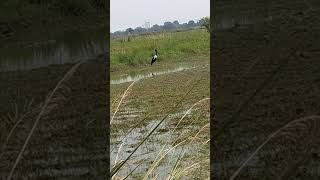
[(155, 57)]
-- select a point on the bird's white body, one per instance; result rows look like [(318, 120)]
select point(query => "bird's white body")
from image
[(155, 56)]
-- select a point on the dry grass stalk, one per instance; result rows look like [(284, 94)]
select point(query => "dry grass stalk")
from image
[(117, 156), (122, 98), (189, 110), (192, 139), (311, 124), (185, 170), (157, 161), (26, 112), (46, 107), (115, 100)]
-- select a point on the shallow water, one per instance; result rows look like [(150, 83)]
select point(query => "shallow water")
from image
[(149, 150), (130, 78)]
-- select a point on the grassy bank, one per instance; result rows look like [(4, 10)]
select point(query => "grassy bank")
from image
[(172, 46)]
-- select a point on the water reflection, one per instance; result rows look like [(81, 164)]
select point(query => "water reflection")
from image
[(66, 48)]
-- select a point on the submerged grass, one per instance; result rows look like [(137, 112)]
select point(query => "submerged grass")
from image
[(117, 168), (163, 104)]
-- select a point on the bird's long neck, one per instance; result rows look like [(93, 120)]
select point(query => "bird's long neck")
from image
[(156, 52)]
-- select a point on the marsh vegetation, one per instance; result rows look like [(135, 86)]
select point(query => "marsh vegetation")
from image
[(160, 124)]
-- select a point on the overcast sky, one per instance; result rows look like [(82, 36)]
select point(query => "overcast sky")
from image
[(134, 13)]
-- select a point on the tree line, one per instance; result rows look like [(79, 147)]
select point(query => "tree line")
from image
[(167, 26)]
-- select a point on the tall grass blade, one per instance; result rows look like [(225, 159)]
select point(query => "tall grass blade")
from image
[(42, 112), (122, 98), (289, 125)]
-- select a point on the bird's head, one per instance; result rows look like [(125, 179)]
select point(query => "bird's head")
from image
[(156, 50)]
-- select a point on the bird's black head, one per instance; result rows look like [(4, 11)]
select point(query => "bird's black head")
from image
[(156, 50)]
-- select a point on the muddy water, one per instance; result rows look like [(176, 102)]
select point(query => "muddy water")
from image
[(56, 49), (136, 77), (122, 145)]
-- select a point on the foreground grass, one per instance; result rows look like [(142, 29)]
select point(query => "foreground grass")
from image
[(172, 47)]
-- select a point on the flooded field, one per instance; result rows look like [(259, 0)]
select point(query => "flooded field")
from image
[(179, 142)]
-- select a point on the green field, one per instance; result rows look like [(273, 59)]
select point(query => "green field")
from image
[(171, 46)]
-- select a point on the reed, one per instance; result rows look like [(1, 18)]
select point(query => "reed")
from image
[(122, 98), (50, 102), (310, 125)]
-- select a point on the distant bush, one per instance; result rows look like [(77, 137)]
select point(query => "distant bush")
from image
[(205, 22)]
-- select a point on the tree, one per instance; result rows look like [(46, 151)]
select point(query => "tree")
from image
[(205, 22), (168, 25), (191, 23), (117, 33), (184, 25), (129, 30), (176, 23), (140, 29), (156, 27)]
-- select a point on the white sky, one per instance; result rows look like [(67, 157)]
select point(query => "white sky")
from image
[(133, 13)]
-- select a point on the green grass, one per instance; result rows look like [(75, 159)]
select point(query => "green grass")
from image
[(172, 46)]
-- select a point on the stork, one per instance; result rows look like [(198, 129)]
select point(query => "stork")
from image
[(155, 57)]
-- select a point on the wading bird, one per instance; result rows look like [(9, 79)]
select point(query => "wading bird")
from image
[(154, 58)]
